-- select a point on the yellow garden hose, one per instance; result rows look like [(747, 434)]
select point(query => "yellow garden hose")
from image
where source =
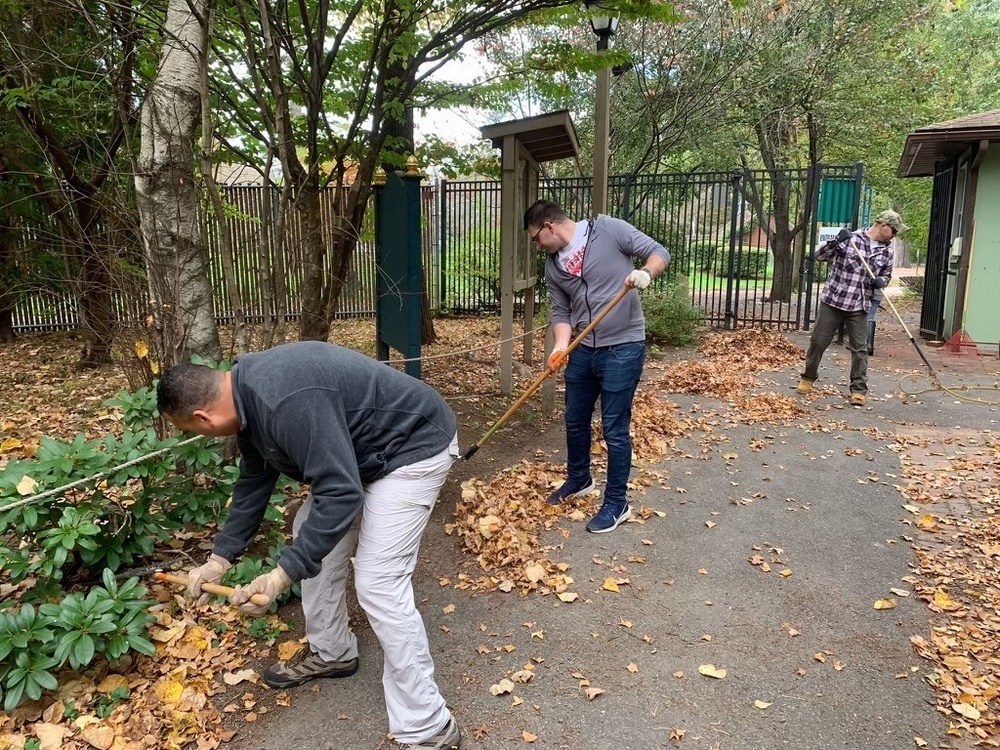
[(955, 390)]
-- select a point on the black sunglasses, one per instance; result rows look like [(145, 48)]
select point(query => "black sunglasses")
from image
[(534, 237)]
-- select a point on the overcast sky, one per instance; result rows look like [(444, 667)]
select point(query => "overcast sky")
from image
[(459, 125)]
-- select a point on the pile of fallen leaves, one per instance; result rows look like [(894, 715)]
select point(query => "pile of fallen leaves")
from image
[(769, 407), (501, 521), (731, 358), (656, 426), (751, 349), (959, 578), (711, 378)]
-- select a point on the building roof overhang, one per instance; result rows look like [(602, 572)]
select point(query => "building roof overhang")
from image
[(930, 145), (546, 137)]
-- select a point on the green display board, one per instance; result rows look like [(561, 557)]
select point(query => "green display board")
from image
[(399, 282), (837, 198)]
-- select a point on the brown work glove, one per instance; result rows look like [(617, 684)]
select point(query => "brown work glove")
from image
[(211, 572), (270, 585)]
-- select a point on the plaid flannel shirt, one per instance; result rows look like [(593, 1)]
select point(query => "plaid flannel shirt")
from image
[(848, 285)]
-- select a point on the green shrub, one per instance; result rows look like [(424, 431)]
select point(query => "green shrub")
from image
[(747, 263), (913, 287), (701, 256), (670, 317), (35, 644), (109, 521), (113, 520)]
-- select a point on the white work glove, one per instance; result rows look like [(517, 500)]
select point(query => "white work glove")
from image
[(639, 279), (210, 572), (270, 585)]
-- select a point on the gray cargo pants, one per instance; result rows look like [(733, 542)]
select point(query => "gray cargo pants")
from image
[(827, 322)]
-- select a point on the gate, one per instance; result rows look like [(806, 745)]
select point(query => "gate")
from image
[(936, 270)]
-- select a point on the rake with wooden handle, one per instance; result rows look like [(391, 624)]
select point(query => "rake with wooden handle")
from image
[(470, 451), (211, 588)]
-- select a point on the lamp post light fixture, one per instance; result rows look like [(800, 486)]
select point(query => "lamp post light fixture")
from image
[(604, 26)]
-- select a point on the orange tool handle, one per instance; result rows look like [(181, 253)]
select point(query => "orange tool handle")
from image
[(470, 451), (211, 588)]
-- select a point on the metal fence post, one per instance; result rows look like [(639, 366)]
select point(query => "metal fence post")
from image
[(815, 173), (443, 240), (627, 198), (734, 187)]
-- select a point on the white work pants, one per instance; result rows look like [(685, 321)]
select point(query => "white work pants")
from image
[(386, 536)]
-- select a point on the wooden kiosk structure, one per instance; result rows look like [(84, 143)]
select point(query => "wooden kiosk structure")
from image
[(524, 145)]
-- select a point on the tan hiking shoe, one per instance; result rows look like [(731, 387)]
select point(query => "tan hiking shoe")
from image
[(449, 738), (309, 667), (857, 399), (804, 387)]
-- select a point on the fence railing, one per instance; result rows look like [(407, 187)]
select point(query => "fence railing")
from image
[(720, 228)]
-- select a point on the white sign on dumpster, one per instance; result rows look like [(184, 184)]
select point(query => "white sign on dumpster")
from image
[(826, 234)]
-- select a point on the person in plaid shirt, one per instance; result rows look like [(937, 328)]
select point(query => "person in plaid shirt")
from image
[(847, 296)]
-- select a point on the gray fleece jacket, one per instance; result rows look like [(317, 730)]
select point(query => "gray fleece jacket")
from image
[(607, 262), (330, 417)]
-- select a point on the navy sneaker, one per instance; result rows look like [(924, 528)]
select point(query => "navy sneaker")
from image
[(608, 518), (571, 489)]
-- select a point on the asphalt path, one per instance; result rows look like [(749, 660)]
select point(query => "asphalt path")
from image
[(809, 663)]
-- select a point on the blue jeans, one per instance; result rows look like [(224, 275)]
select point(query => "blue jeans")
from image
[(611, 373)]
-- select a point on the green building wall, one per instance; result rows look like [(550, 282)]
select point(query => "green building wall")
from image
[(982, 312)]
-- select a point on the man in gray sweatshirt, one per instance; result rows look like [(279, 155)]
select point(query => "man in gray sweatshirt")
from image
[(588, 263), (375, 447)]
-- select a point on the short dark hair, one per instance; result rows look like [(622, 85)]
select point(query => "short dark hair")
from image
[(183, 389), (542, 211)]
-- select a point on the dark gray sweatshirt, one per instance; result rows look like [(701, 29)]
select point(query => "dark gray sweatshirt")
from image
[(607, 262), (330, 417)]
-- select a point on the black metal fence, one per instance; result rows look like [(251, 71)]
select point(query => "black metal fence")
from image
[(742, 242)]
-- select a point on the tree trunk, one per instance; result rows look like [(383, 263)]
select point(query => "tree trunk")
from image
[(97, 313), (7, 297), (317, 283), (350, 220), (775, 138), (7, 335), (81, 228), (177, 264), (427, 333), (781, 241), (271, 260)]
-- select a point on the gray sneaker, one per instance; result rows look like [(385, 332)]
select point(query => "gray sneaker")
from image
[(310, 667), (449, 738)]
